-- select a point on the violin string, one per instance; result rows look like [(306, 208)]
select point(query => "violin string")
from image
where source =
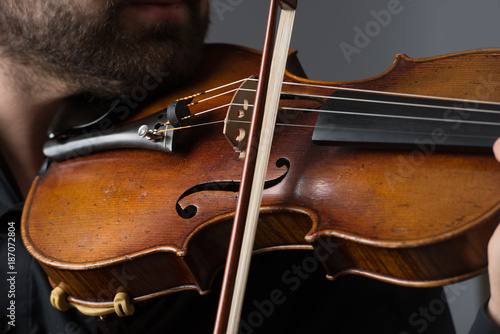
[(421, 105), (190, 126), (211, 110), (407, 104), (334, 127), (376, 115), (211, 90), (461, 121), (219, 95), (364, 130), (359, 90)]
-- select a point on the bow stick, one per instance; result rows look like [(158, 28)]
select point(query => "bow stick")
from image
[(265, 109)]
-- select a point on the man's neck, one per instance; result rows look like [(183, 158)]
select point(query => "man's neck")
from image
[(25, 113)]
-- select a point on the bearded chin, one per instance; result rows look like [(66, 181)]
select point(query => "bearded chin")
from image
[(98, 55), (110, 63)]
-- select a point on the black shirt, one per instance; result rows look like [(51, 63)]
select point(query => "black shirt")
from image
[(483, 324)]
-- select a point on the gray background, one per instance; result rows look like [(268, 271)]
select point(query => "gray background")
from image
[(420, 28)]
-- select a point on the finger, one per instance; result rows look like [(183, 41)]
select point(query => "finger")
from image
[(496, 149)]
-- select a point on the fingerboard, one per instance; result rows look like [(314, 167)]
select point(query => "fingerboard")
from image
[(376, 120)]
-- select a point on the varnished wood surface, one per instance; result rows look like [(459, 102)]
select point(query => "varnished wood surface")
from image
[(406, 216)]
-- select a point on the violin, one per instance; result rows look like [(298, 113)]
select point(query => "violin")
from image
[(389, 177)]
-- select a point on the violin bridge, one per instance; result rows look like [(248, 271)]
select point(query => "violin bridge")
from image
[(239, 115)]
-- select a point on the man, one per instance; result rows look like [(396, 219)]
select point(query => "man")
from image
[(54, 49)]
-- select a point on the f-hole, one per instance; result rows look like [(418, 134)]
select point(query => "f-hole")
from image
[(231, 186)]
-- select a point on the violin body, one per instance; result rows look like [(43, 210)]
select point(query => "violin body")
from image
[(150, 223)]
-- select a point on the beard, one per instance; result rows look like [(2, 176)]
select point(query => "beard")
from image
[(98, 53)]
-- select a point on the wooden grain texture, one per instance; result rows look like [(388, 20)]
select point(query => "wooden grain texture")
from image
[(108, 221)]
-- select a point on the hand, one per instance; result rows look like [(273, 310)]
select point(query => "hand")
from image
[(493, 309), (496, 149)]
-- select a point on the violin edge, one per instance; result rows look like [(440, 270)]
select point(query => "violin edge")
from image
[(399, 59)]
